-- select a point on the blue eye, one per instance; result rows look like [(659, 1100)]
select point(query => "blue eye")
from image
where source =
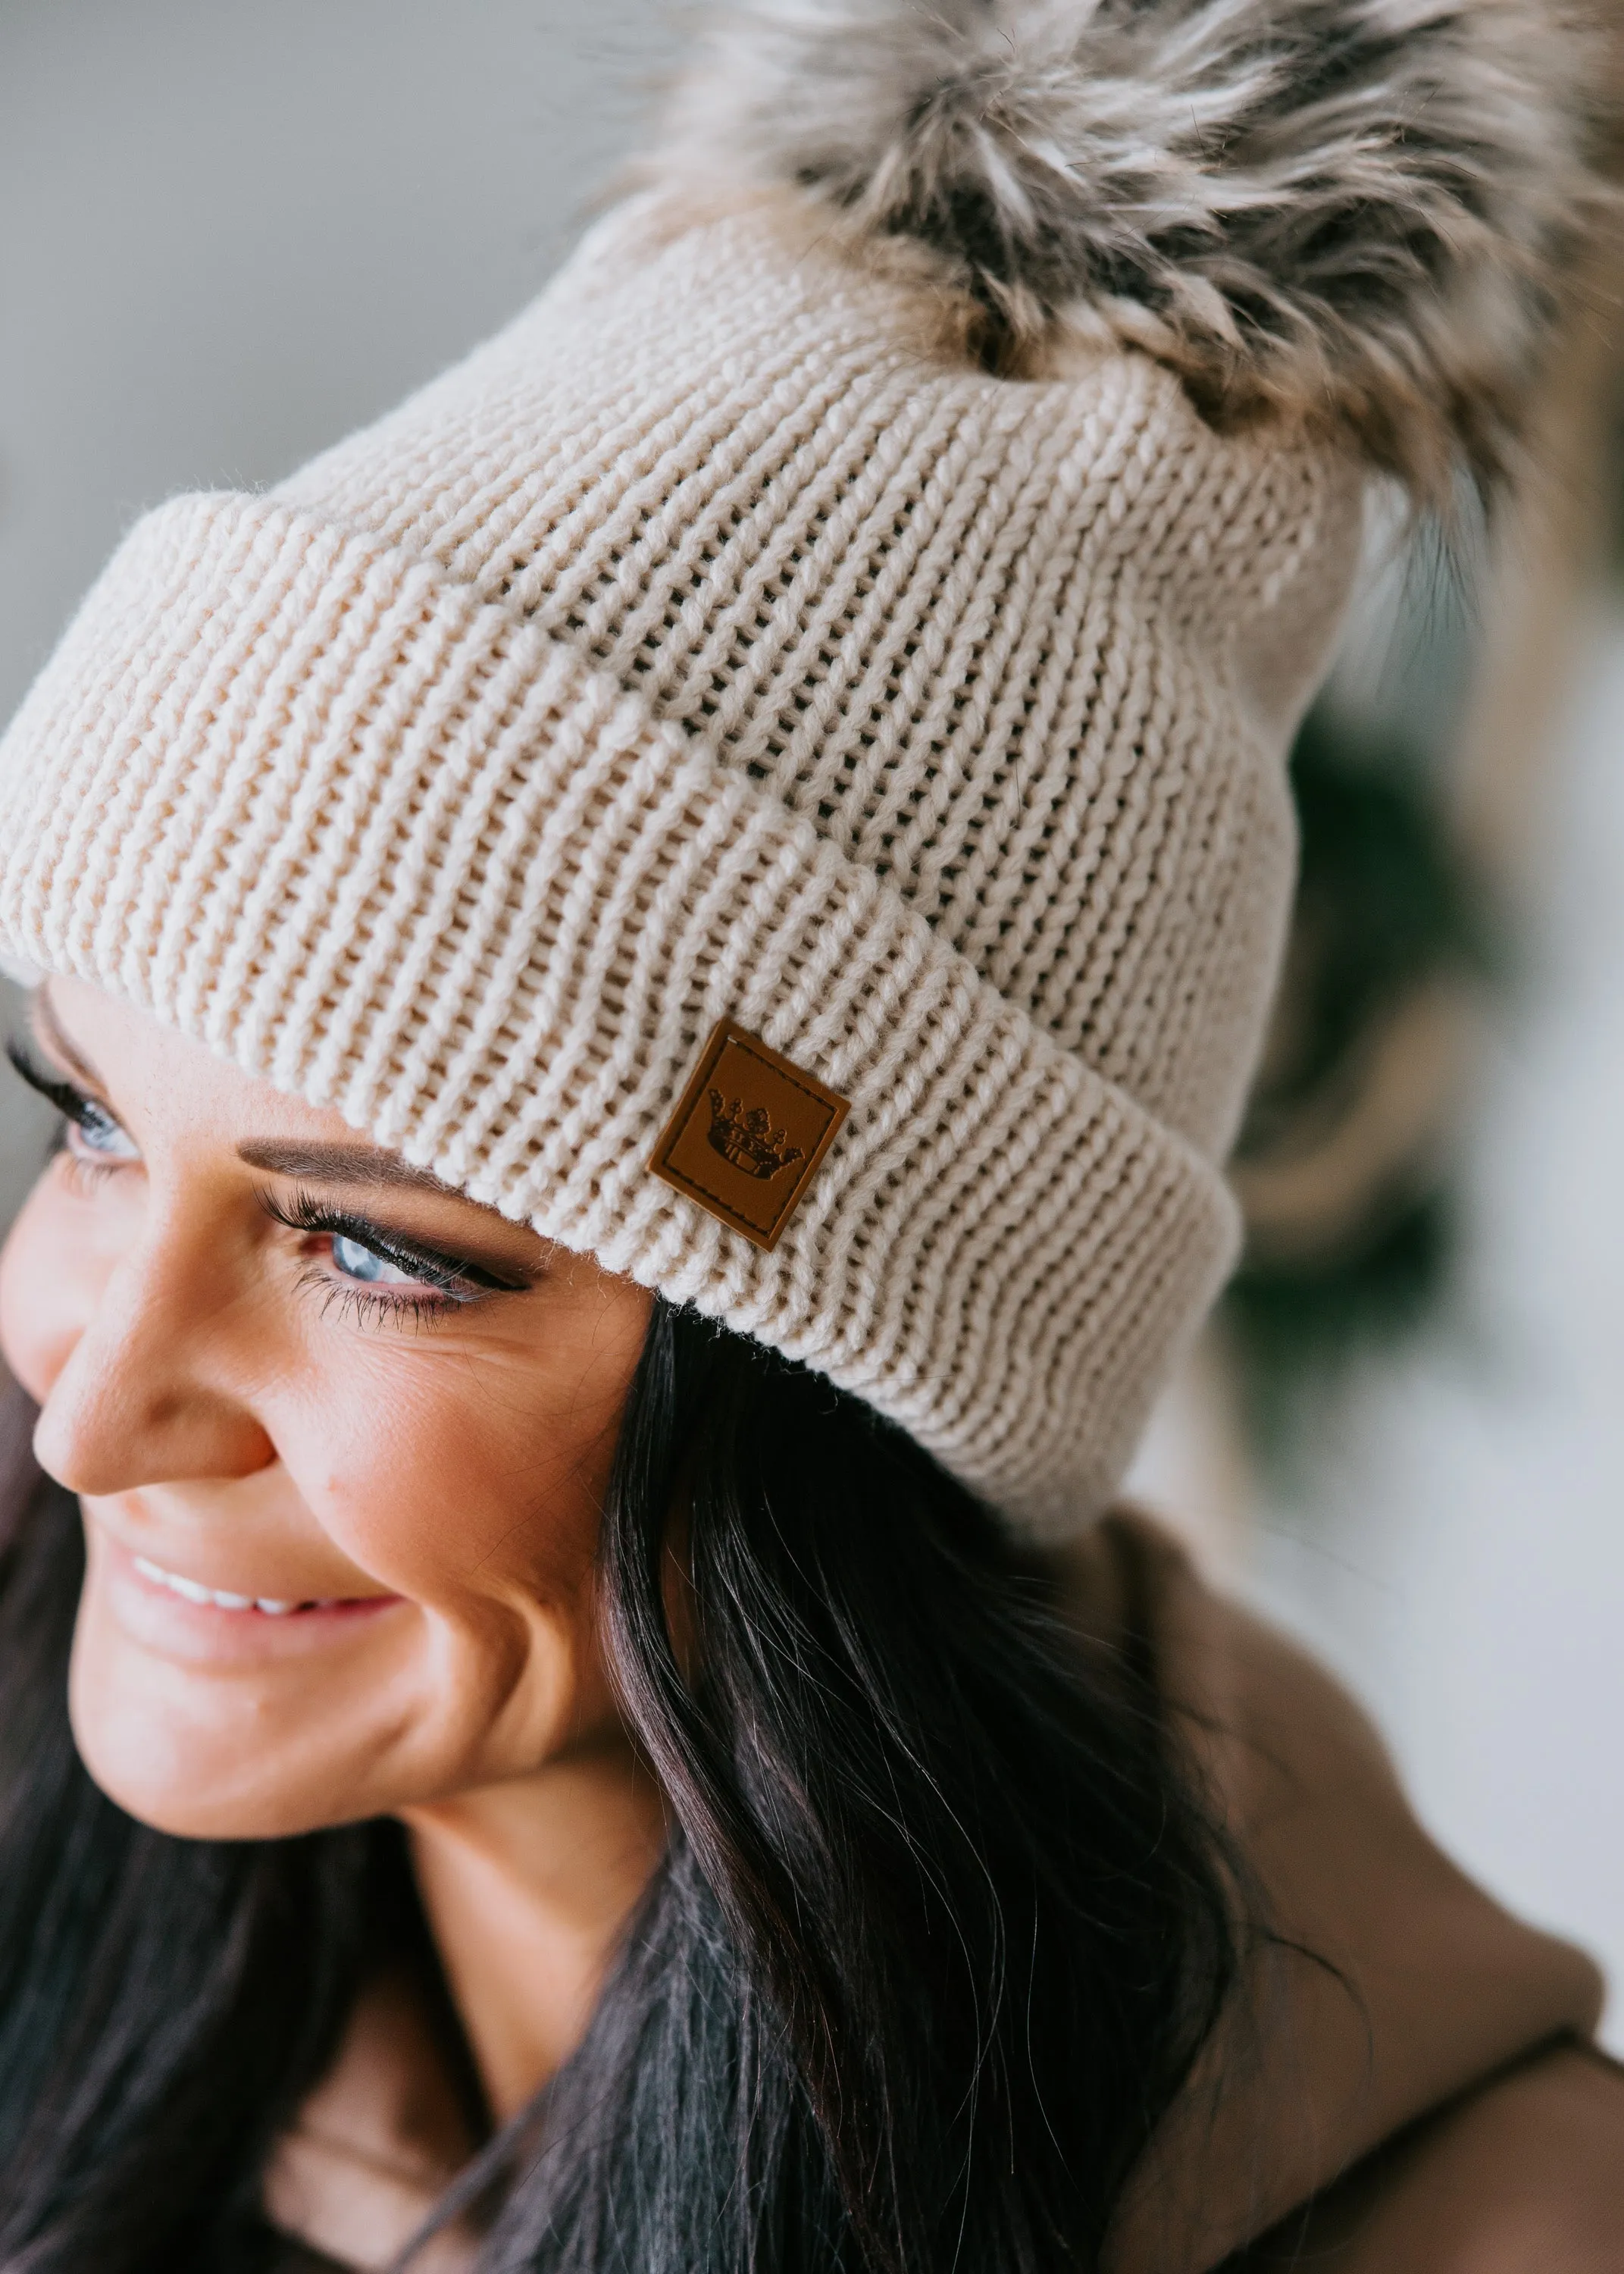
[(96, 1131), (356, 1262)]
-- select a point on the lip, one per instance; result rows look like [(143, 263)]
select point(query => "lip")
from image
[(154, 1615)]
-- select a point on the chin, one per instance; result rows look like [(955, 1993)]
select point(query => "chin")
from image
[(220, 1729), (172, 1765), (162, 1777)]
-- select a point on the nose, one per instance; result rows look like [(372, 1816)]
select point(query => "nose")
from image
[(144, 1395)]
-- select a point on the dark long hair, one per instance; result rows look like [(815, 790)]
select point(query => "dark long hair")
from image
[(938, 1934)]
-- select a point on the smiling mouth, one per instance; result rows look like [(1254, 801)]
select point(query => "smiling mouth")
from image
[(192, 1591)]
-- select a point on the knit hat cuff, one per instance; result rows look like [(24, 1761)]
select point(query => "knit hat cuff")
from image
[(388, 846)]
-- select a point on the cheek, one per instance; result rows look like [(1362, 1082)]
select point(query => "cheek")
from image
[(449, 1479), (51, 1279), (480, 1500)]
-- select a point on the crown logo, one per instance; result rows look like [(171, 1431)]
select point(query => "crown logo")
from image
[(748, 1141), (770, 1119)]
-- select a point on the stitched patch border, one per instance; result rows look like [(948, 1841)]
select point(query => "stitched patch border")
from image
[(747, 1134)]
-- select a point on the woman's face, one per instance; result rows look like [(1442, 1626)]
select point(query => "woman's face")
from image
[(341, 1437)]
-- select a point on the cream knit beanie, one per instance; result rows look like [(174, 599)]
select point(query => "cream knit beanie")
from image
[(772, 772)]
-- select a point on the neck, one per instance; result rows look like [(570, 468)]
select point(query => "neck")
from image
[(528, 1887)]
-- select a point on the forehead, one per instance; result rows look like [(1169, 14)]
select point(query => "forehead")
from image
[(166, 1079)]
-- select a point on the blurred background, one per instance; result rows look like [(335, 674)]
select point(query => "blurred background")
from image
[(229, 232)]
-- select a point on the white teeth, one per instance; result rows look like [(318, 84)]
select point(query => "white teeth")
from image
[(193, 1593)]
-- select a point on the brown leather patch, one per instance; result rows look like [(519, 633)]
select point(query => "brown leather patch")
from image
[(747, 1134)]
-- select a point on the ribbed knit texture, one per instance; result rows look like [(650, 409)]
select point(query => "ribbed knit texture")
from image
[(705, 647)]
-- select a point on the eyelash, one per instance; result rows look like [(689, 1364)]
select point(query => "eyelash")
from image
[(369, 1306), (78, 1110), (450, 1283)]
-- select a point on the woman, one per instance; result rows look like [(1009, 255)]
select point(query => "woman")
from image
[(649, 969)]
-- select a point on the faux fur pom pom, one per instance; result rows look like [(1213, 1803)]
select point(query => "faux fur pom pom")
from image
[(1350, 212)]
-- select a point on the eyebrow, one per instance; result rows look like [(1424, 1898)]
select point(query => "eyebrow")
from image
[(348, 1164)]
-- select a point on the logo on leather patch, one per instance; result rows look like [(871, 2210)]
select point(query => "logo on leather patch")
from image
[(747, 1134)]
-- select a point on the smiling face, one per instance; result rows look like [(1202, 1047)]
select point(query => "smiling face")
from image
[(341, 1437)]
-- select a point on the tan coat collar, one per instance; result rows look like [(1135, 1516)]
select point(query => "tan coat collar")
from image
[(1418, 1987), (1393, 1984)]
